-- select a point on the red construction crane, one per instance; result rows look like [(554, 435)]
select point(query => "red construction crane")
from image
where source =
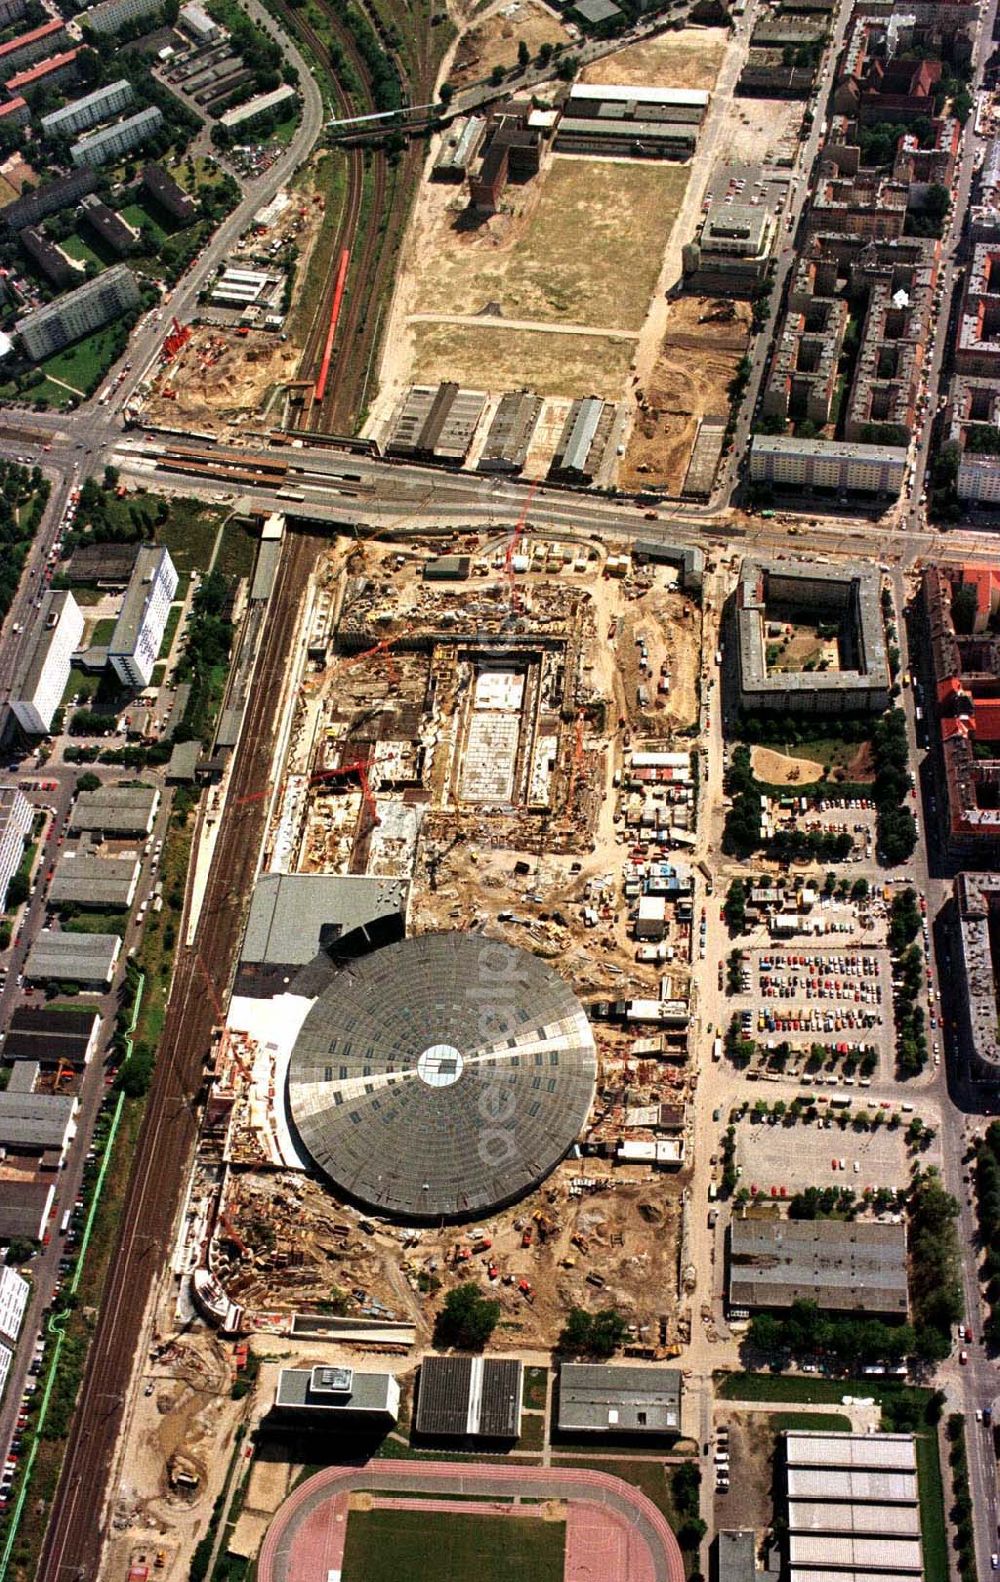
[(384, 647), (175, 340), (515, 539), (575, 765), (359, 768)]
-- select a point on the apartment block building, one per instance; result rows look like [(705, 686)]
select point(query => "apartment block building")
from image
[(16, 818), (978, 347), (48, 329), (110, 15), (89, 111), (97, 148), (43, 671), (31, 46), (135, 642), (802, 465)]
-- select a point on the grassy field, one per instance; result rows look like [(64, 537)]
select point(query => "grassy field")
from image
[(808, 1422), (103, 631), (535, 1385), (84, 365), (189, 533), (236, 551), (138, 215), (426, 1546), (589, 253), (328, 177), (75, 247), (557, 365)]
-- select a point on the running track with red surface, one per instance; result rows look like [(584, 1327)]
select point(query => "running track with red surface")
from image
[(613, 1531)]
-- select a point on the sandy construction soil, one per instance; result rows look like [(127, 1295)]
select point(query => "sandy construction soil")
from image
[(690, 59), (778, 769), (582, 246), (493, 40), (690, 380), (558, 365)]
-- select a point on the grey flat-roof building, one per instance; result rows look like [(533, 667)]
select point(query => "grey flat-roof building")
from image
[(115, 233), (470, 1397), (97, 148), (850, 1452), (802, 465), (44, 663), (16, 818), (582, 444), (25, 1203), (852, 1509), (87, 959), (325, 1394), (48, 329), (49, 199), (599, 1399), (460, 143), (36, 1122), (87, 111), (115, 811), (294, 916), (85, 879), (169, 195), (847, 596), (49, 1037), (845, 1266), (436, 423), (736, 1554)]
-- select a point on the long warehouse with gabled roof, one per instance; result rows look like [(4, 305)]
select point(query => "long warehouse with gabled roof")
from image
[(852, 1511)]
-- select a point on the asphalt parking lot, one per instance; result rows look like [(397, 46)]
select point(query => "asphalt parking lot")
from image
[(804, 1155)]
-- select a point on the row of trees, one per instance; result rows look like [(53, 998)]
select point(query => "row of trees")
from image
[(807, 1330), (988, 1210), (961, 1510), (935, 1286), (896, 829)]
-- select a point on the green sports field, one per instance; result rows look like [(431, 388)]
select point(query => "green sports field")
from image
[(435, 1546)]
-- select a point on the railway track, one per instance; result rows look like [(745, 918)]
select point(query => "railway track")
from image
[(376, 207), (202, 974)]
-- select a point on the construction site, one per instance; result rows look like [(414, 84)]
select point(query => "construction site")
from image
[(699, 355), (240, 358), (493, 768), (471, 799)]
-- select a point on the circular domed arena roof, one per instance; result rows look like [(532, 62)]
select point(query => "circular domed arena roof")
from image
[(442, 1077)]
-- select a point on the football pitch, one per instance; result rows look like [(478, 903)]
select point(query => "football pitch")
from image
[(438, 1546)]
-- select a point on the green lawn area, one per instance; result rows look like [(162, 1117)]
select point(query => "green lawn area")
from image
[(85, 364), (806, 1422), (138, 215), (812, 1390), (429, 1546), (170, 630), (75, 247), (237, 550), (189, 533), (535, 1384), (932, 1519), (285, 130), (103, 632)]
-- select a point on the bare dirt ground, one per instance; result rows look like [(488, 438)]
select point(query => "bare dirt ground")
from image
[(558, 365), (220, 376), (690, 59), (780, 770), (757, 131), (672, 641), (690, 380), (493, 41), (748, 1502), (14, 172), (582, 245)]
